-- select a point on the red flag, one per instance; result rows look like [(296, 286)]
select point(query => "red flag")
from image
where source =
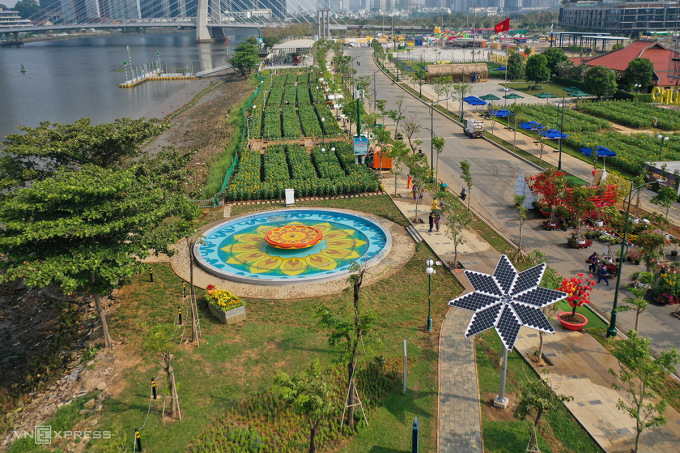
[(503, 26)]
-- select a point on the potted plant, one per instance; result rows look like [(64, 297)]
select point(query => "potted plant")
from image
[(225, 306), (578, 291), (635, 255)]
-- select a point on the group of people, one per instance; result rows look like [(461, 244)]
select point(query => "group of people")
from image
[(593, 266)]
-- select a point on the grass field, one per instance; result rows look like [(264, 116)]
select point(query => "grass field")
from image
[(236, 361), (523, 85)]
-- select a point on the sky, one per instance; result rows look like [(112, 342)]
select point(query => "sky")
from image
[(9, 3)]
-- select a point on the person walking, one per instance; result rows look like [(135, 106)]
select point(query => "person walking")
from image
[(463, 194), (592, 263), (431, 220), (603, 274), (437, 218)]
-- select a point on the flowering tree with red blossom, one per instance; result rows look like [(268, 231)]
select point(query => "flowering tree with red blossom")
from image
[(578, 290)]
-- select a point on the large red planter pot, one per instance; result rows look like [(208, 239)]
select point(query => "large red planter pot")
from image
[(545, 214), (569, 325)]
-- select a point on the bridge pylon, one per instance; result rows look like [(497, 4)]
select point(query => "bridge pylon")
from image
[(202, 32)]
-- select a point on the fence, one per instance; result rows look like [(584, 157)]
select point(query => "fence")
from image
[(230, 171)]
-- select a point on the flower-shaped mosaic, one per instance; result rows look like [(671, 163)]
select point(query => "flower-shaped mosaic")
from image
[(507, 300)]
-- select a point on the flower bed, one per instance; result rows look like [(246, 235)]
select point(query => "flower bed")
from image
[(551, 116), (227, 307), (573, 243), (633, 114), (548, 226)]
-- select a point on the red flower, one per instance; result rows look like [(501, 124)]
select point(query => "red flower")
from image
[(578, 290)]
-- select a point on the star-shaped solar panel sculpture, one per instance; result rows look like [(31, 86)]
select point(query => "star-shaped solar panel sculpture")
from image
[(507, 300)]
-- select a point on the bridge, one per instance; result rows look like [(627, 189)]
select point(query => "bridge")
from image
[(209, 21)]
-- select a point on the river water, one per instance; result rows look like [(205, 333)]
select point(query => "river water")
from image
[(75, 78)]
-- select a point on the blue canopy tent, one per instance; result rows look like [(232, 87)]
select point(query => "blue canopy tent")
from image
[(502, 68), (474, 100), (553, 134), (502, 113), (601, 152), (531, 125)]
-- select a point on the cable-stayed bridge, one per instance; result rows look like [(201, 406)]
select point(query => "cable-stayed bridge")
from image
[(208, 17)]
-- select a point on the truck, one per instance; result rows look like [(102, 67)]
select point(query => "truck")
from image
[(474, 128), (296, 59)]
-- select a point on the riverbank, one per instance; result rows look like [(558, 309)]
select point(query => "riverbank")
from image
[(206, 127)]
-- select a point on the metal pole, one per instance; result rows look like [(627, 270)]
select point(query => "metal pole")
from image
[(507, 69), (358, 117), (429, 292), (405, 361), (501, 399), (559, 162), (611, 331), (431, 137), (474, 25)]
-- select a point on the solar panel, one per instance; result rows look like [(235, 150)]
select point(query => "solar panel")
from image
[(483, 283), (504, 274), (483, 320), (528, 279), (508, 327), (507, 301), (475, 301)]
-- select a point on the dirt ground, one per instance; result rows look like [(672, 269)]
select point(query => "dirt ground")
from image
[(205, 126)]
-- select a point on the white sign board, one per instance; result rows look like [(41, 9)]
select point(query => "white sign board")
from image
[(290, 197)]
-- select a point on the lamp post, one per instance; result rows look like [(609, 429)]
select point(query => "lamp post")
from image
[(661, 140), (429, 271), (323, 134), (559, 162), (611, 331), (637, 91), (248, 127)]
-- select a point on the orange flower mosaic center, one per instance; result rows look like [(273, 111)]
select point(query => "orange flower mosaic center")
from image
[(293, 245)]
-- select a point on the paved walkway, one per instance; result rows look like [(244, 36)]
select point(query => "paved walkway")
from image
[(459, 424), (581, 369)]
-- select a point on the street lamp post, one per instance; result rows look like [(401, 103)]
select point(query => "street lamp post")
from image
[(559, 162), (611, 331), (661, 140), (429, 271), (323, 134), (637, 91), (248, 127)]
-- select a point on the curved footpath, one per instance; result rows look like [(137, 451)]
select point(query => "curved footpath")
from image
[(580, 363)]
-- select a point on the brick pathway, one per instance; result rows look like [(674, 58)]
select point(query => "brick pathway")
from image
[(459, 406), (580, 369)]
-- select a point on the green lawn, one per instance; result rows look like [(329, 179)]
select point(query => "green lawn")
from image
[(235, 362), (558, 431), (548, 87)]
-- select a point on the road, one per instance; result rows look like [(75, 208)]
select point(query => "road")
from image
[(494, 173)]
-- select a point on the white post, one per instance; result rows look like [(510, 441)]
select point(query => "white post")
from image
[(501, 401), (405, 360)]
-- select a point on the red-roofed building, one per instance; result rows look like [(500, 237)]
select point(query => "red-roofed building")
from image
[(618, 60)]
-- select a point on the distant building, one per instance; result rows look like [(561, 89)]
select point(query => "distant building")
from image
[(618, 60), (614, 17), (10, 18)]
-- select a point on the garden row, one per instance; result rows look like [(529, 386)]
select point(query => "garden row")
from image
[(551, 116), (261, 177), (634, 114)]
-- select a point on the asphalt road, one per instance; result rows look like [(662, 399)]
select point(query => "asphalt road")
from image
[(494, 174)]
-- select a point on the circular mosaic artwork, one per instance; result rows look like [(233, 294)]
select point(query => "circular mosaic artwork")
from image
[(238, 250)]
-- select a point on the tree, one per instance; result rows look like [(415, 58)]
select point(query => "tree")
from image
[(270, 41), (421, 176), (664, 199), (639, 373), (516, 62), (617, 46), (467, 178), (580, 204), (639, 303), (600, 81), (397, 152), (522, 214), (552, 280), (438, 145), (639, 71), (42, 151), (458, 91), (309, 395), (90, 229), (350, 331), (554, 56), (246, 57), (397, 115), (27, 8), (457, 222), (537, 397), (537, 69), (166, 364)]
